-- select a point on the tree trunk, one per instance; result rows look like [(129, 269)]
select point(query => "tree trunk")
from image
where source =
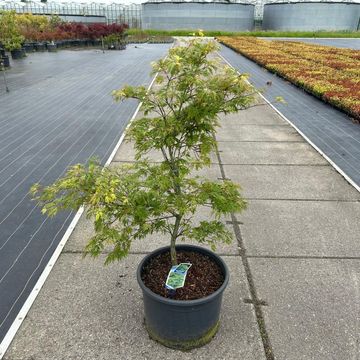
[(174, 236)]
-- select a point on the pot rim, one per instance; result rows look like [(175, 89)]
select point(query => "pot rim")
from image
[(184, 303)]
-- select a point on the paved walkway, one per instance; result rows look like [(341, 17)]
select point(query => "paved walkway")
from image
[(295, 279), (59, 112), (330, 130)]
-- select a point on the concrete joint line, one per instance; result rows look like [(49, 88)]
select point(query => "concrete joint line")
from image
[(303, 257), (80, 252), (259, 302), (255, 301), (292, 165), (132, 162), (255, 164), (294, 199), (232, 223), (263, 141), (263, 125)]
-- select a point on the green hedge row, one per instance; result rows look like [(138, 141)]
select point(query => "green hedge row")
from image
[(305, 34)]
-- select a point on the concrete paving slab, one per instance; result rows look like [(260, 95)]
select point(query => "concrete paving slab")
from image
[(303, 228), (313, 307), (80, 236), (237, 132), (73, 319), (251, 117), (126, 153), (291, 153), (291, 182)]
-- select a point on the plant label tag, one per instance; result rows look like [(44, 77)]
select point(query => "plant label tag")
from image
[(177, 276)]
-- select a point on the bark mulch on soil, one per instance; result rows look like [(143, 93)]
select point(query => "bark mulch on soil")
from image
[(203, 278)]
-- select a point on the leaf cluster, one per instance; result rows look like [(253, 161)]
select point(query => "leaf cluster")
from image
[(133, 201), (191, 90), (180, 120)]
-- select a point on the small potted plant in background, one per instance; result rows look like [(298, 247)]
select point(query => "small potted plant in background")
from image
[(51, 46), (111, 41), (115, 42), (10, 35), (116, 37), (182, 284)]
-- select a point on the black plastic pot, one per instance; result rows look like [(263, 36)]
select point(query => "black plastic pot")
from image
[(181, 324), (17, 54), (39, 47), (5, 60), (95, 42), (29, 47), (51, 47), (66, 43)]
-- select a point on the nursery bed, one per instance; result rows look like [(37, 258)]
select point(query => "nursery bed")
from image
[(329, 73)]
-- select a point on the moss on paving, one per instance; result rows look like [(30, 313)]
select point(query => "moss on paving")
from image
[(185, 345)]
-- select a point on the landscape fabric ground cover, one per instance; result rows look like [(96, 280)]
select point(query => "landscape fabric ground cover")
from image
[(332, 74)]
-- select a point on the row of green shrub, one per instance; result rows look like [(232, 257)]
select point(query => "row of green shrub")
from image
[(305, 34)]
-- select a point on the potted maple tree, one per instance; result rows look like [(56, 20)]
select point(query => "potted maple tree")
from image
[(135, 200)]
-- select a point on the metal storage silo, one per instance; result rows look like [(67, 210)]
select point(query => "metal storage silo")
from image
[(176, 15), (311, 16)]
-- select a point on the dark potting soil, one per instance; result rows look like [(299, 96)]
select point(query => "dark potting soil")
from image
[(202, 279)]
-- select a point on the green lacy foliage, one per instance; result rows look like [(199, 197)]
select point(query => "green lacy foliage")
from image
[(10, 36), (180, 119)]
